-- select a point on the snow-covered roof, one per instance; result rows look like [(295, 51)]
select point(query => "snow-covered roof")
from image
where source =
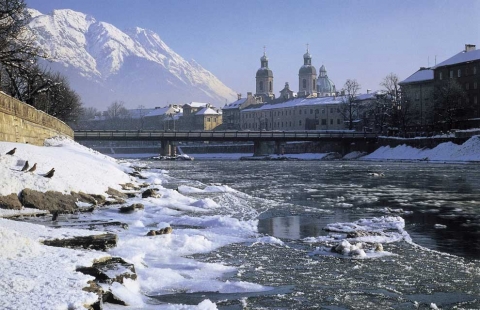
[(299, 102), (139, 113), (194, 104), (207, 111), (235, 104), (370, 95), (420, 75), (163, 111), (460, 57)]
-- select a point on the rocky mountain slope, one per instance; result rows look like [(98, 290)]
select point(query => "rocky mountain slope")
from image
[(105, 64)]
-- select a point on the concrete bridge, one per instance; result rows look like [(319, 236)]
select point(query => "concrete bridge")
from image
[(265, 142)]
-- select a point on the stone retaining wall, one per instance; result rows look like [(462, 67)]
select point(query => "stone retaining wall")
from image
[(22, 123)]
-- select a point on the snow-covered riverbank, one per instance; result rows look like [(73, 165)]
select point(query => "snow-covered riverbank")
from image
[(32, 274)]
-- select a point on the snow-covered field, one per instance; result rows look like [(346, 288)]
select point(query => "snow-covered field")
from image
[(34, 276)]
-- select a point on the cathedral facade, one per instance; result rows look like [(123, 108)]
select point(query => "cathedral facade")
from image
[(308, 83)]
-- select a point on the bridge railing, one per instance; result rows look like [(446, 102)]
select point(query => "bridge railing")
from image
[(207, 135)]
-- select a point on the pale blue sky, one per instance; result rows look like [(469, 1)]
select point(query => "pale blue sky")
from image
[(362, 40)]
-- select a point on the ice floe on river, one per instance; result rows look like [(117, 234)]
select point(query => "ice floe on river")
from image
[(362, 238)]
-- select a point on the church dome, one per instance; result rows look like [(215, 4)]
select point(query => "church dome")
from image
[(324, 84), (307, 69), (263, 58), (307, 55), (264, 72)]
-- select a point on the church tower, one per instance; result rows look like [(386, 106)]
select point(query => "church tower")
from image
[(307, 77), (264, 79)]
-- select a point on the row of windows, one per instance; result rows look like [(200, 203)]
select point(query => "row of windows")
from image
[(459, 73), (289, 112), (287, 124), (467, 85), (260, 86), (304, 84)]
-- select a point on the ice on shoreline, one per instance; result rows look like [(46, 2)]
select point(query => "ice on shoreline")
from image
[(200, 225)]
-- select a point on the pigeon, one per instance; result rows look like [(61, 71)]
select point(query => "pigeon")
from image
[(25, 167), (12, 151), (50, 173), (34, 167)]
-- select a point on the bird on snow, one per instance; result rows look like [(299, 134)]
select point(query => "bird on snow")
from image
[(25, 167), (34, 167), (55, 216), (50, 173), (12, 151)]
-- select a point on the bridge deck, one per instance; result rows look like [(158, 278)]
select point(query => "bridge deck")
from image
[(152, 135)]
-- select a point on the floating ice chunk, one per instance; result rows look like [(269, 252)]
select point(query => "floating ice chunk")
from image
[(219, 189), (268, 240), (206, 203), (440, 226)]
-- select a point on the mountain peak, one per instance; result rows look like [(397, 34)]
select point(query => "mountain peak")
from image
[(105, 64)]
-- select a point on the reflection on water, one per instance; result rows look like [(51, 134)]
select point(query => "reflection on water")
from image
[(439, 202)]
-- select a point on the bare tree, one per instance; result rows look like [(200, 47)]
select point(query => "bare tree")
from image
[(17, 42), (350, 108), (117, 114), (450, 104), (141, 114)]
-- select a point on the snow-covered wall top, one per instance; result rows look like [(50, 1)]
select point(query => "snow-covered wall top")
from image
[(105, 64)]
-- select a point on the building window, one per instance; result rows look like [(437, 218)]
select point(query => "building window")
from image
[(467, 100), (331, 110), (338, 121), (300, 123), (300, 112), (475, 99), (459, 73), (440, 75), (260, 85), (474, 70), (208, 119), (451, 74), (311, 111), (314, 84), (467, 86), (304, 83), (323, 111), (331, 121), (270, 85), (324, 121), (475, 85)]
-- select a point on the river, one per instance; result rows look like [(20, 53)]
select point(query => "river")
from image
[(298, 199)]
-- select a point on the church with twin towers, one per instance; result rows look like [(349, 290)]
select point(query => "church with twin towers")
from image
[(309, 84)]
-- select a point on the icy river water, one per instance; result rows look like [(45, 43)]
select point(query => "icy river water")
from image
[(295, 200)]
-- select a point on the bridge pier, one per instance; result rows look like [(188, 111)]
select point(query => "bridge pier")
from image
[(261, 148), (168, 148), (279, 147)]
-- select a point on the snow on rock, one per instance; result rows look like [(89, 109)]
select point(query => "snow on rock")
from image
[(35, 276), (77, 168)]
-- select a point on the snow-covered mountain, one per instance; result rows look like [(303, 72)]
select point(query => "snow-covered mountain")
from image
[(105, 64)]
